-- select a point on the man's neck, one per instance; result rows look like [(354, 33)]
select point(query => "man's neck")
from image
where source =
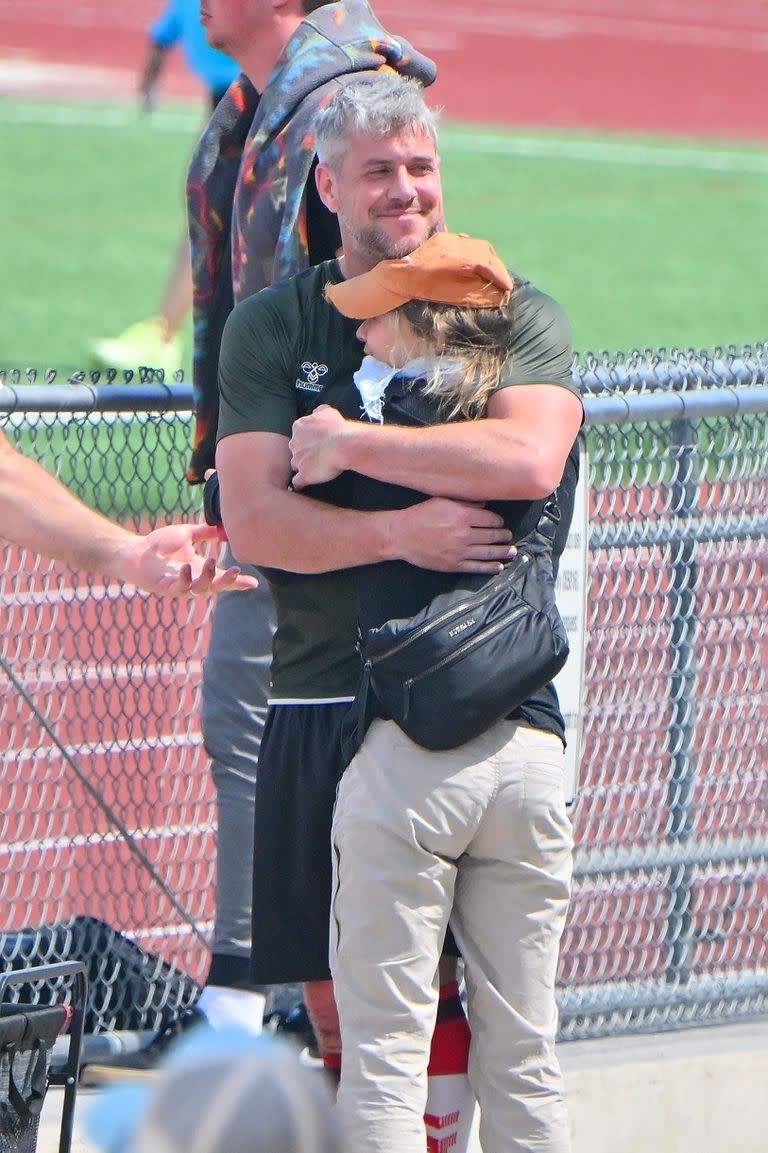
[(258, 59), (353, 263)]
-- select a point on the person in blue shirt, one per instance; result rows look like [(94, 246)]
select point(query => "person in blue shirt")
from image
[(179, 24), (156, 341)]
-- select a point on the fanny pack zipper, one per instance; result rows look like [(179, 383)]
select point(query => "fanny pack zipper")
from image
[(484, 634), (456, 610)]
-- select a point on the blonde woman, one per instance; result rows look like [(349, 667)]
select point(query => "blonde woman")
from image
[(476, 835)]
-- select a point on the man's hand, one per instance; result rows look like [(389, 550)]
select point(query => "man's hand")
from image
[(315, 445), (451, 536), (167, 561)]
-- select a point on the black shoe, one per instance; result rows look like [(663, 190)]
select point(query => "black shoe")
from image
[(297, 1026), (143, 1062)]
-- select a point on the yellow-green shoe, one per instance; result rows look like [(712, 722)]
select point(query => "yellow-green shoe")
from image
[(142, 345)]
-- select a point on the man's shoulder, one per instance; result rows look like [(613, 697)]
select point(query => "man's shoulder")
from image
[(528, 302), (288, 337), (304, 286), (541, 347), (301, 291)]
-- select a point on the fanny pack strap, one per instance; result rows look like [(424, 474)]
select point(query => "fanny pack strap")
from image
[(361, 702), (549, 519)]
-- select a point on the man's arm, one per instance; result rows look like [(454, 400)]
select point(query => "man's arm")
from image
[(269, 524), (516, 452), (40, 514), (163, 33)]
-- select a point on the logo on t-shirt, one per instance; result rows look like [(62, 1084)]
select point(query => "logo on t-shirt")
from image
[(312, 373)]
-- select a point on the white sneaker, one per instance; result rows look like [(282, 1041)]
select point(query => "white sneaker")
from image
[(143, 344)]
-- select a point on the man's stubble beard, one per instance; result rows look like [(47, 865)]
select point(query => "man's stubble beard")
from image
[(374, 244)]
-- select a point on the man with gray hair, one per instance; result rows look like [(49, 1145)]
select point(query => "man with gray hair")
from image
[(315, 665), (255, 218), (379, 172)]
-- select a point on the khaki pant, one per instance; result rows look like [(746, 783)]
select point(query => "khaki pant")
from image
[(478, 835)]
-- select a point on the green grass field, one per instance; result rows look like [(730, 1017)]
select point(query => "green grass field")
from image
[(647, 243)]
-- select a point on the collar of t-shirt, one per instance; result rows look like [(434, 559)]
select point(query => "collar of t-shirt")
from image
[(373, 376)]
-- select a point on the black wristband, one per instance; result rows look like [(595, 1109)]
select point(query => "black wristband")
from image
[(211, 500)]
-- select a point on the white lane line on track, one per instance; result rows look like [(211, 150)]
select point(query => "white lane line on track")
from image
[(623, 152), (142, 672), (167, 741), (57, 844), (29, 75), (60, 594), (478, 141), (161, 932), (96, 116)]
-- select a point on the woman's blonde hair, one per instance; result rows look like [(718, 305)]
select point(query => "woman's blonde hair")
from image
[(471, 345)]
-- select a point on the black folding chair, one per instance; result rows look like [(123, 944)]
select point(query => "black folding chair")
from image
[(27, 1037)]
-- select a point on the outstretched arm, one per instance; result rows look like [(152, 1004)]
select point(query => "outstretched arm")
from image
[(40, 514)]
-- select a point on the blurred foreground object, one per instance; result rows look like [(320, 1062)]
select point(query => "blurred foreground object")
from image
[(219, 1090)]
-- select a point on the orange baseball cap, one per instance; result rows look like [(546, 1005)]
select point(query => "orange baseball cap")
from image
[(449, 268)]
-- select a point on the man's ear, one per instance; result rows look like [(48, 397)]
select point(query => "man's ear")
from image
[(326, 186)]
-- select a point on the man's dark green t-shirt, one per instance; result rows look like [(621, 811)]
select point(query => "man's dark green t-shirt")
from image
[(285, 351)]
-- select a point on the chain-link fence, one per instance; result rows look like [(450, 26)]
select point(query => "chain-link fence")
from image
[(106, 807)]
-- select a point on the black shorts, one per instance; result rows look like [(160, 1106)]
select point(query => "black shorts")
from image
[(300, 765)]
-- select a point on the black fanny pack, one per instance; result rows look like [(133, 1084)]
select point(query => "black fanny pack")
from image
[(471, 656)]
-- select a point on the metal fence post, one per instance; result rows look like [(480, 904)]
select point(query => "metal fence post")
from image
[(683, 446)]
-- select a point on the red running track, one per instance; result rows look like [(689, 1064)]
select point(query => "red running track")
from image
[(677, 66)]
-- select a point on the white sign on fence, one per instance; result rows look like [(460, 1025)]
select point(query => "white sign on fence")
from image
[(571, 590)]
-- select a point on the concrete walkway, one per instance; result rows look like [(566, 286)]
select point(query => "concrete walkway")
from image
[(50, 1122), (695, 1091)]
